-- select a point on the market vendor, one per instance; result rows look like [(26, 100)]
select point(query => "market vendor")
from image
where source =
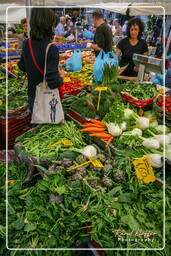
[(60, 28), (23, 36), (41, 32), (103, 34), (133, 43)]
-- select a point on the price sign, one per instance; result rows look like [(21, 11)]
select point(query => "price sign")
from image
[(96, 163), (77, 166), (10, 181), (144, 170), (65, 142), (100, 89)]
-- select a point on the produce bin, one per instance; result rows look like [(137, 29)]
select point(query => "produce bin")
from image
[(17, 125), (2, 55)]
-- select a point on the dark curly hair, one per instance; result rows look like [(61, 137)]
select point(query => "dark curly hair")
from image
[(42, 22), (139, 23)]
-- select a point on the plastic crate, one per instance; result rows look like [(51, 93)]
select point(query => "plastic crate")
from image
[(9, 54), (16, 126)]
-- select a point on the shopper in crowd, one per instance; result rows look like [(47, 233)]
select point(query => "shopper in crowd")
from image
[(103, 34), (133, 43), (117, 28), (23, 36), (69, 23), (124, 28), (41, 32), (60, 28)]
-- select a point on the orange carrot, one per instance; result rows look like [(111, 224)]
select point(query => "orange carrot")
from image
[(100, 135), (97, 122), (93, 129), (91, 125), (105, 139), (109, 141)]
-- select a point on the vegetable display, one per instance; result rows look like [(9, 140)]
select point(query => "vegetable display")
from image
[(17, 94), (86, 185), (74, 82), (14, 69), (164, 102), (140, 91), (53, 212), (45, 141)]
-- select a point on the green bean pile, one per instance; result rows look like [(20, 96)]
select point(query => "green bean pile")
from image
[(36, 143)]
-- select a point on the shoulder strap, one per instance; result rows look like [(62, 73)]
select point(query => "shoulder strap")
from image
[(47, 49), (33, 57)]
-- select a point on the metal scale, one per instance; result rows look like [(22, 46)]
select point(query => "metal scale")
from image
[(147, 63)]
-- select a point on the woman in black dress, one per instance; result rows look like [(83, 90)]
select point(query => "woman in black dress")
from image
[(42, 24), (133, 43)]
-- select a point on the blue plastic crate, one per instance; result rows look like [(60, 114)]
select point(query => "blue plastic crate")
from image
[(9, 54), (59, 47), (5, 45)]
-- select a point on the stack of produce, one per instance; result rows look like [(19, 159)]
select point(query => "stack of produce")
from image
[(139, 94), (55, 210), (86, 102), (97, 129), (14, 69), (164, 103), (46, 141), (74, 82), (87, 57), (140, 135), (17, 95), (110, 73), (2, 75), (85, 75)]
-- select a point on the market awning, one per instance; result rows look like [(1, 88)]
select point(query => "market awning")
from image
[(15, 14)]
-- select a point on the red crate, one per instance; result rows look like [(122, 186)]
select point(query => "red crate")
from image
[(16, 126)]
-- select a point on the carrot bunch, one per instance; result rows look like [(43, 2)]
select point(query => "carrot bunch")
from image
[(98, 129)]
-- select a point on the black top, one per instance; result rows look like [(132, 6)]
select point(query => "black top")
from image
[(127, 53), (103, 38), (34, 76)]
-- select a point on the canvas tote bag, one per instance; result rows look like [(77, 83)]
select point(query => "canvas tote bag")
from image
[(47, 106)]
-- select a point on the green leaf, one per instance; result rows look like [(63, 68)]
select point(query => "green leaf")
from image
[(19, 223), (125, 197), (114, 190), (61, 190), (30, 227), (130, 221)]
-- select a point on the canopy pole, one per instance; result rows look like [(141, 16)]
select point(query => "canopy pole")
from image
[(28, 13)]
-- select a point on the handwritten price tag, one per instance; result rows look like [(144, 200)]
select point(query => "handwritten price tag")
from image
[(144, 170), (65, 142), (96, 163), (101, 88)]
